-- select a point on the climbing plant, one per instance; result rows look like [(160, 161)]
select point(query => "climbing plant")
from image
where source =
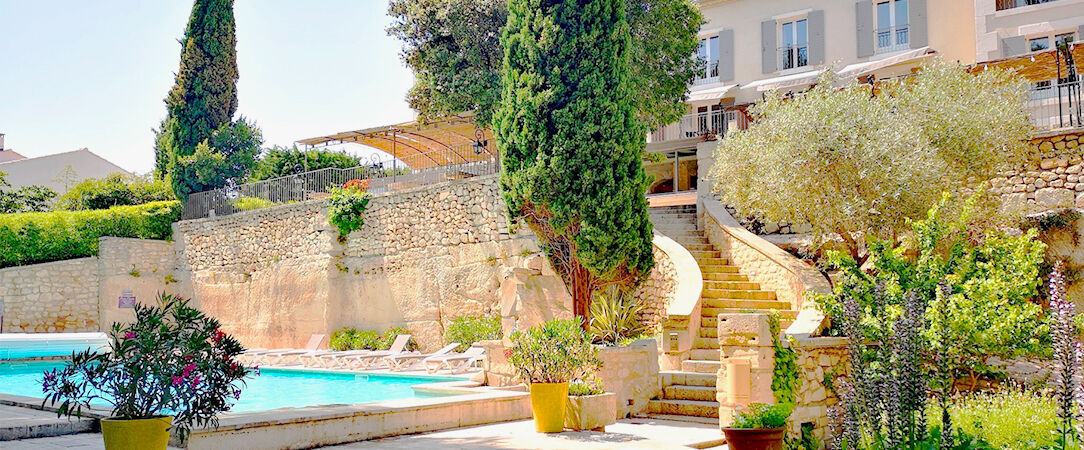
[(785, 373), (346, 206)]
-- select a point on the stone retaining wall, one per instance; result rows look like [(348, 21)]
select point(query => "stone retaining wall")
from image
[(657, 290), (54, 297), (1050, 177)]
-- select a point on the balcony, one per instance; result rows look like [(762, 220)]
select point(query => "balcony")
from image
[(1052, 106), (892, 39), (793, 56), (1010, 4), (707, 73), (704, 126)]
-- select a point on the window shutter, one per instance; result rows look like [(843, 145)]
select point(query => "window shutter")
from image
[(1079, 35), (916, 23), (815, 20), (726, 55), (863, 26), (1014, 45), (767, 46)]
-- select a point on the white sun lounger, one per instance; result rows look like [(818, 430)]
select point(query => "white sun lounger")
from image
[(454, 363), (278, 356), (367, 361), (332, 359), (404, 360)]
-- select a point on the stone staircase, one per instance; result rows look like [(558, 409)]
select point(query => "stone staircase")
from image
[(690, 394)]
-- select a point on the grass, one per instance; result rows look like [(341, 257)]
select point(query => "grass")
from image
[(1009, 418)]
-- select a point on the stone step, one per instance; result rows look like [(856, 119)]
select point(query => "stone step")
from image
[(695, 408), (708, 366), (720, 306), (706, 343), (719, 269), (706, 255), (711, 260), (723, 276), (738, 294), (676, 227), (732, 285), (704, 354), (682, 236), (699, 247), (674, 377), (689, 419), (686, 392), (686, 242)]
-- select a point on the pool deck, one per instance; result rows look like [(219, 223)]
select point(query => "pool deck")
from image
[(18, 423), (628, 433)]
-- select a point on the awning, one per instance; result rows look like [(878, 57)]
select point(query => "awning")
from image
[(711, 95), (421, 145), (785, 81), (862, 69)]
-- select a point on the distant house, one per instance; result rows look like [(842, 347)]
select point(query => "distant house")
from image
[(58, 172)]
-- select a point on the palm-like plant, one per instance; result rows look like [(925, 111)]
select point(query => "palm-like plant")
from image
[(615, 315)]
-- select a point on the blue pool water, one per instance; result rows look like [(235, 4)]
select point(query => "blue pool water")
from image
[(273, 388)]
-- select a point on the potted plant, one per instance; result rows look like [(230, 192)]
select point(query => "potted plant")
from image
[(547, 357), (171, 368), (590, 407), (761, 427)]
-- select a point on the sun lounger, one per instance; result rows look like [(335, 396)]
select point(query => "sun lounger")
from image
[(278, 356), (404, 360), (332, 359), (455, 363), (367, 361)]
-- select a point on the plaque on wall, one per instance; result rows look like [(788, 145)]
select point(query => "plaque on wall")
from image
[(127, 300)]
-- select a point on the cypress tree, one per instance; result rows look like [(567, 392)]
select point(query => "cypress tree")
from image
[(571, 143), (204, 96)]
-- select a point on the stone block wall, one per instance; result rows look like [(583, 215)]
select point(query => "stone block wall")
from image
[(1051, 177), (140, 266), (657, 290), (53, 297)]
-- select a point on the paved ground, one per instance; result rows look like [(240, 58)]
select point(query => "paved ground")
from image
[(632, 433), (18, 422)]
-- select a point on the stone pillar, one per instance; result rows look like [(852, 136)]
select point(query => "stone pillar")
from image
[(746, 360)]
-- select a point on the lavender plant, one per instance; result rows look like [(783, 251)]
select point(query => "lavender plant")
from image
[(1067, 356)]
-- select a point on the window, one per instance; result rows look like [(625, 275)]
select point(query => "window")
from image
[(795, 50), (708, 55), (892, 29), (1038, 44)]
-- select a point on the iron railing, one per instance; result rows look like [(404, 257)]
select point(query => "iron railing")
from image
[(386, 174), (793, 56), (1054, 105), (891, 39), (1002, 5), (703, 125), (707, 73)]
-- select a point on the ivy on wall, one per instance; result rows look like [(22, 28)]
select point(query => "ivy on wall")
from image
[(346, 206), (785, 373)]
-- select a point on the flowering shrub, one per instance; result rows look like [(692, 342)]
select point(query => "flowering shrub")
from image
[(760, 415), (557, 351), (467, 330), (1067, 355), (586, 386), (346, 207), (173, 360)]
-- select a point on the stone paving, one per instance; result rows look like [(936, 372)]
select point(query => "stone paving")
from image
[(630, 433), (16, 422)]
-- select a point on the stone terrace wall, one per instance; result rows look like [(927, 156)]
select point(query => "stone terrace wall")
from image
[(1050, 178), (54, 297), (657, 290)]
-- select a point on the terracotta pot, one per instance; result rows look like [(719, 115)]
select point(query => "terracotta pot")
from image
[(136, 434), (755, 438), (548, 405), (591, 412)]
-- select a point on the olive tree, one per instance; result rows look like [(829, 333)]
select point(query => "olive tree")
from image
[(857, 161)]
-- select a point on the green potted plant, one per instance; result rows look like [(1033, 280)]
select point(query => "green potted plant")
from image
[(172, 368), (590, 407), (547, 357), (761, 427)]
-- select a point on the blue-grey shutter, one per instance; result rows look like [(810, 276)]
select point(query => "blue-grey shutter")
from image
[(916, 23), (1079, 35), (1014, 45), (815, 29), (863, 26), (726, 55), (767, 46)]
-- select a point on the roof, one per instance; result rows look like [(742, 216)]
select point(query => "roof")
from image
[(8, 155), (1040, 66), (421, 145), (52, 171)]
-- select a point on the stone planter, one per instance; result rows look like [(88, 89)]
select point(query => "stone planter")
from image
[(755, 438), (591, 412)]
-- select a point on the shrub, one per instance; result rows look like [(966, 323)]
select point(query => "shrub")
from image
[(29, 238), (114, 190), (586, 386), (33, 198), (346, 206), (1008, 418), (557, 351), (172, 360), (615, 316), (365, 340), (760, 415), (250, 203), (467, 330), (282, 161), (389, 335), (342, 340)]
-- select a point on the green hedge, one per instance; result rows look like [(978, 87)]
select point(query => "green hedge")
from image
[(30, 238)]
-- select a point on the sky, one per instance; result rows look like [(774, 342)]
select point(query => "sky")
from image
[(94, 74)]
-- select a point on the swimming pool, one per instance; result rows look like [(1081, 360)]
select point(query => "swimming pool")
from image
[(37, 345), (273, 388)]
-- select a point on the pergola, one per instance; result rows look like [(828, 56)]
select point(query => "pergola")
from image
[(1037, 66), (420, 145)]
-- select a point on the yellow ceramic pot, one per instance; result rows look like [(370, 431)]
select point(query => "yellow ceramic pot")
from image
[(136, 434), (548, 405)]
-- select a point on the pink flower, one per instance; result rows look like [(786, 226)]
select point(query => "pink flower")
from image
[(195, 381), (257, 369), (177, 380), (236, 394), (129, 335), (218, 335), (188, 370), (507, 353)]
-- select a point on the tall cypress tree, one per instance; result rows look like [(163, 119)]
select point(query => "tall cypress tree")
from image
[(204, 97), (570, 140)]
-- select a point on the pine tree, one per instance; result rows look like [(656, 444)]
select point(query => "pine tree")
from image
[(571, 142)]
